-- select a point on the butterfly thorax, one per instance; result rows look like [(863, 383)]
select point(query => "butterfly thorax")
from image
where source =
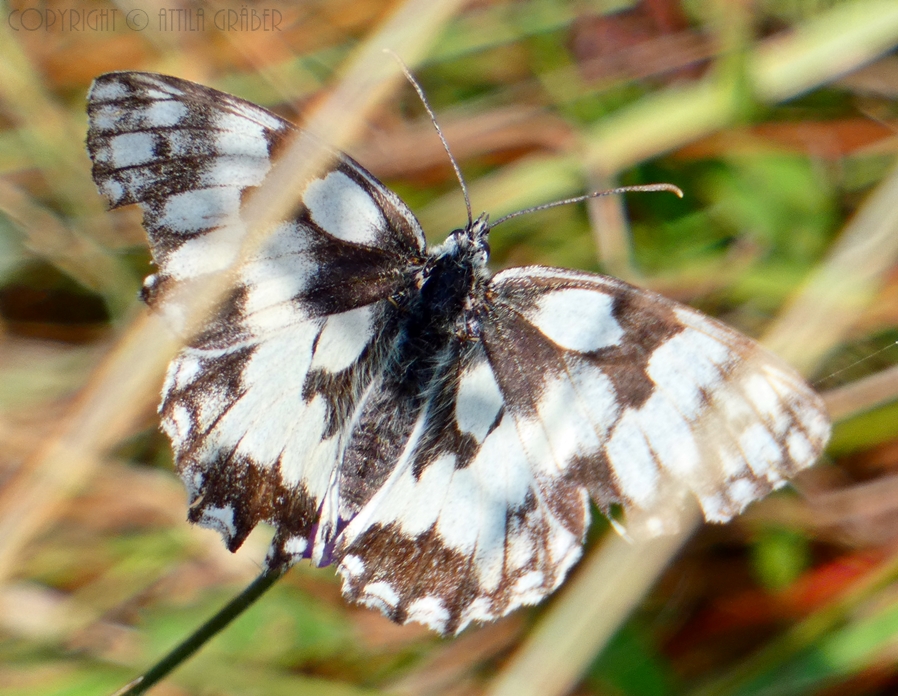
[(451, 287), (455, 275)]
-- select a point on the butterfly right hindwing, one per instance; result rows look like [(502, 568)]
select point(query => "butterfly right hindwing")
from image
[(465, 528)]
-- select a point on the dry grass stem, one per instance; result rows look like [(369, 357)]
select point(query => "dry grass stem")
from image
[(819, 317), (863, 395)]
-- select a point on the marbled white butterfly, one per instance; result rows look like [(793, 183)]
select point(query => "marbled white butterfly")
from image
[(434, 430)]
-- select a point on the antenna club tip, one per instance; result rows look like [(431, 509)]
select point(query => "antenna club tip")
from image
[(676, 190)]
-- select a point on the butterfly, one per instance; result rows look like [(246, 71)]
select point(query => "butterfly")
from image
[(434, 430)]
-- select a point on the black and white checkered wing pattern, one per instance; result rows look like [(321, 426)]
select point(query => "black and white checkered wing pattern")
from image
[(474, 527), (579, 386), (435, 432), (635, 396), (259, 404)]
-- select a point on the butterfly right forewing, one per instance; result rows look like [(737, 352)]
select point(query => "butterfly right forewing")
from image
[(638, 397)]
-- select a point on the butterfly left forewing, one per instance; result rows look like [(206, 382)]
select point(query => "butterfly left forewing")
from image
[(259, 403), (636, 396), (188, 154)]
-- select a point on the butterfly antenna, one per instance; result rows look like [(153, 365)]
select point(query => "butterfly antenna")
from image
[(596, 194), (433, 120)]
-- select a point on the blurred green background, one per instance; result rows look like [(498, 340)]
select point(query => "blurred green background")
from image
[(777, 119)]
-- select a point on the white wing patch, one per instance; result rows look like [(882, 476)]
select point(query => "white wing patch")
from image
[(131, 148), (206, 253), (670, 436), (572, 418), (237, 136), (276, 277), (577, 319), (201, 209), (162, 114), (686, 366), (478, 401), (632, 461), (344, 209), (343, 339), (429, 611)]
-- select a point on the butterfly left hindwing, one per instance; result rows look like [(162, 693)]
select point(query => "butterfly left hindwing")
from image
[(434, 431)]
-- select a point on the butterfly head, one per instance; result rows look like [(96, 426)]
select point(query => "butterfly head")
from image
[(468, 245)]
